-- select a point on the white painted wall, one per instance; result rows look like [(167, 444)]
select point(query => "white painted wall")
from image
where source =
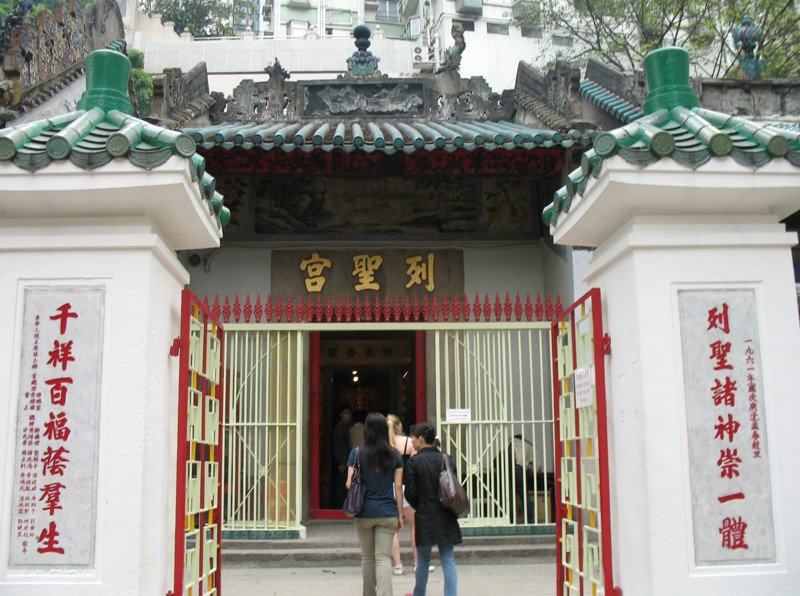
[(639, 271), (117, 227), (657, 230), (491, 56), (138, 417)]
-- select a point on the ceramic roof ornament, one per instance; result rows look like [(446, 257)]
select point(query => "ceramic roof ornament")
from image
[(102, 129), (676, 127)]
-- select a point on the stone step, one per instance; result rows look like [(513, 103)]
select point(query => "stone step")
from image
[(335, 544), (466, 554), (351, 540)]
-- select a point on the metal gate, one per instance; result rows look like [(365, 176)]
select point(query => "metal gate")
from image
[(584, 564), (494, 370), (200, 395), (263, 428), (494, 415)]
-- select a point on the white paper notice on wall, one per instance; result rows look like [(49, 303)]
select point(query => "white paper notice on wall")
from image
[(458, 415), (584, 387)]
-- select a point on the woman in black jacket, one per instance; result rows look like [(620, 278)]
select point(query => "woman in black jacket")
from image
[(435, 524)]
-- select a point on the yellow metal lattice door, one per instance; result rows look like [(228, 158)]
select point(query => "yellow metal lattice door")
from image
[(584, 564), (494, 415), (262, 421)]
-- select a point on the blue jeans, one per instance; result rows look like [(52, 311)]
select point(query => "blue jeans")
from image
[(448, 559)]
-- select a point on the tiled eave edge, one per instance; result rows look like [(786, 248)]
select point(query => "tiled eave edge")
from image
[(689, 137), (380, 135), (92, 138)]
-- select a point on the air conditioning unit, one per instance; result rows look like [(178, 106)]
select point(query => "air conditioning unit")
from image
[(421, 59)]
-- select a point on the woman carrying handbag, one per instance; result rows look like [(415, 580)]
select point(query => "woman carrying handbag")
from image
[(435, 524), (381, 470)]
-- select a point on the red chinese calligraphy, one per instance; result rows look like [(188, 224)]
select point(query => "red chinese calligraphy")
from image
[(49, 538), (54, 461), (51, 495), (61, 354), (64, 314), (719, 352), (733, 531), (719, 319), (58, 390), (728, 463), (724, 393), (729, 428), (56, 428)]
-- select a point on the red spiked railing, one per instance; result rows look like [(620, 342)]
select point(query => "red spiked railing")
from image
[(387, 310)]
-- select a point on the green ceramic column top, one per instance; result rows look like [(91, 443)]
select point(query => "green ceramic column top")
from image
[(107, 74), (667, 72)]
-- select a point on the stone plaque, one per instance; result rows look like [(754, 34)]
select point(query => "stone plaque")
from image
[(54, 506), (728, 458)]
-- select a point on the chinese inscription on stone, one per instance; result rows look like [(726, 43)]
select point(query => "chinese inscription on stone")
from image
[(729, 463), (54, 503)]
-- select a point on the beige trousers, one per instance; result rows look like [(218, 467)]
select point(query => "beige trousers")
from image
[(375, 535)]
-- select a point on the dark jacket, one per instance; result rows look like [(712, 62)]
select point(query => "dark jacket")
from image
[(434, 523)]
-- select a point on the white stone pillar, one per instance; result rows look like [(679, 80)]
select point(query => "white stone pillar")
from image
[(140, 281), (640, 270), (68, 233)]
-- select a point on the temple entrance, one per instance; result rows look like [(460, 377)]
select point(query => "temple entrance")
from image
[(367, 371)]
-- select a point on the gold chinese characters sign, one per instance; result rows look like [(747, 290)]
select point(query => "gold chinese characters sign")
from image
[(368, 273)]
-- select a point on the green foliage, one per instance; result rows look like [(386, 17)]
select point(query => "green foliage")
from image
[(624, 31), (136, 57), (142, 83), (142, 90), (201, 18)]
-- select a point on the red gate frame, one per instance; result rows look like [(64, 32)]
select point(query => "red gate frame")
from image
[(601, 348), (314, 405), (180, 347)]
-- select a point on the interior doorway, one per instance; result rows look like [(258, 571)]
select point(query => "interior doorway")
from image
[(369, 371)]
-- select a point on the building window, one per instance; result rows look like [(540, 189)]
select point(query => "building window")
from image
[(534, 33), (562, 40), (497, 28), (467, 25), (387, 11), (297, 28)]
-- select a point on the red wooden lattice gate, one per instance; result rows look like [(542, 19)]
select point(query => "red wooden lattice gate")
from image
[(583, 528), (198, 511)]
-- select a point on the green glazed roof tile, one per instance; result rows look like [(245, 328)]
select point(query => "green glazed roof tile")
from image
[(387, 136), (687, 134), (607, 101), (92, 137)]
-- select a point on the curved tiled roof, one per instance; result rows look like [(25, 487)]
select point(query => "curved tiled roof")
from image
[(621, 109), (381, 135), (691, 137), (541, 110), (100, 132)]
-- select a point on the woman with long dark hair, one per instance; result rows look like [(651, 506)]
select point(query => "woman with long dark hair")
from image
[(381, 469)]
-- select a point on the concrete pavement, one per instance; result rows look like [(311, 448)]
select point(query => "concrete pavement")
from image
[(473, 580)]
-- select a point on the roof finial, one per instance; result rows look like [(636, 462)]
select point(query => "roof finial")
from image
[(668, 80), (362, 63), (107, 74)]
